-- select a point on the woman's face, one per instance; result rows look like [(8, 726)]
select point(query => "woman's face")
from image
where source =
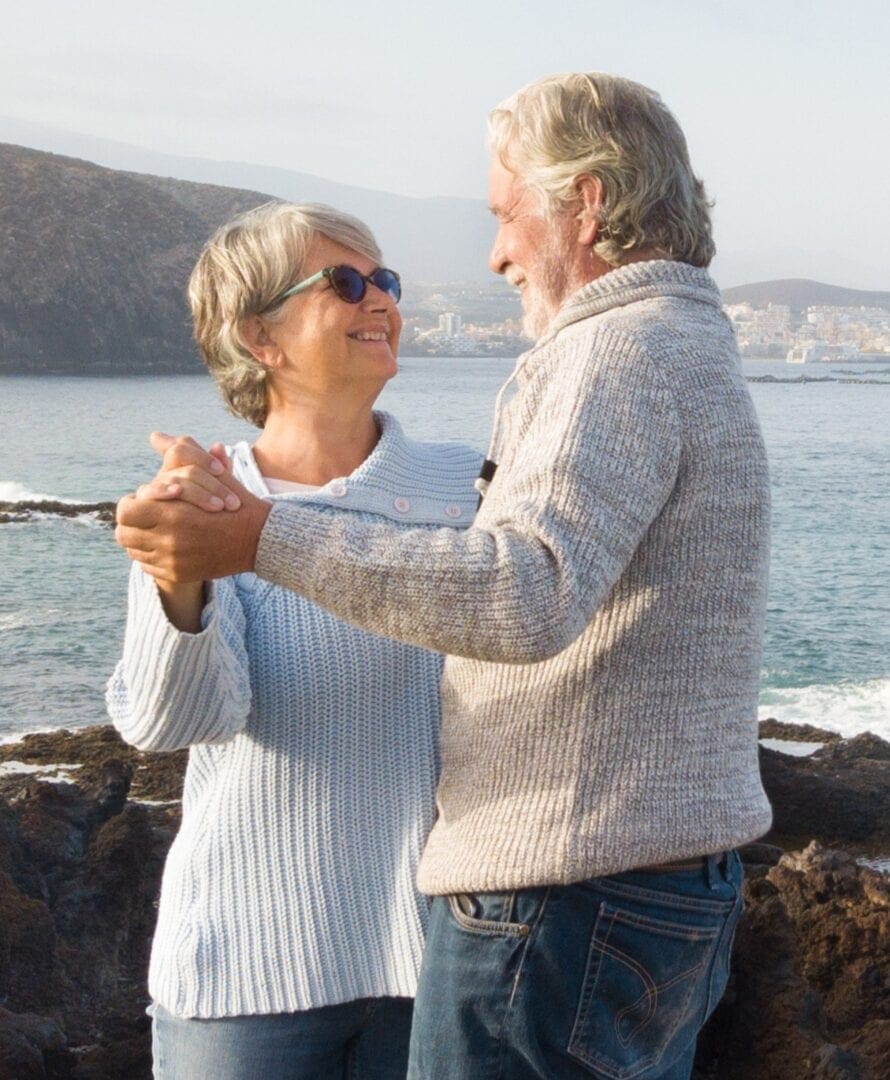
[(327, 346)]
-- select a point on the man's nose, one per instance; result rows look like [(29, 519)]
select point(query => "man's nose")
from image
[(497, 260)]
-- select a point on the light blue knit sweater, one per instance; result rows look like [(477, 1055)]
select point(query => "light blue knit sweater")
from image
[(311, 781)]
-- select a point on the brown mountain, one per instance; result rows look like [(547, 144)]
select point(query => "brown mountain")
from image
[(799, 294), (93, 264)]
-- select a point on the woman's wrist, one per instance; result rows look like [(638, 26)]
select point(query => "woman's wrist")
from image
[(183, 603)]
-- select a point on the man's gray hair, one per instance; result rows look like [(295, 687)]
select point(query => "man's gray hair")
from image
[(564, 126), (242, 269)]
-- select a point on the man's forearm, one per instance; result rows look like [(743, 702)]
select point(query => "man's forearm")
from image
[(498, 596)]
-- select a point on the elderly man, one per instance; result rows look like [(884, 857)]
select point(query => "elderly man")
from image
[(602, 617)]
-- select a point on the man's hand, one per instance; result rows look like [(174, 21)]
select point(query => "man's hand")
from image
[(164, 527)]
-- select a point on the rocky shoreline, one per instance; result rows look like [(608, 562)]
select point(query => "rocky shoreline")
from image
[(13, 513), (85, 823)]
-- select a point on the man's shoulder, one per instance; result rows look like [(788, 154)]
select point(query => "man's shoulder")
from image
[(661, 330)]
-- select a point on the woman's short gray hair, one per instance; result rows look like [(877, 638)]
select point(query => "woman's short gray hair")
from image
[(242, 269), (564, 126)]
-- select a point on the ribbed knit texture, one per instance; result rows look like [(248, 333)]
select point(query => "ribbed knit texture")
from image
[(605, 611), (311, 778)]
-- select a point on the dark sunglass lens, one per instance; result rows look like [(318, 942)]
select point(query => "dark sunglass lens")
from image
[(387, 281), (348, 284)]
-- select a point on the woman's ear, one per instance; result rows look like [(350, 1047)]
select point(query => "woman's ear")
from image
[(256, 339), (590, 194)]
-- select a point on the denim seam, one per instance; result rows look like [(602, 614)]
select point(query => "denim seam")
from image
[(525, 948), (654, 992), (683, 903), (157, 1051), (674, 930), (733, 919), (485, 927)]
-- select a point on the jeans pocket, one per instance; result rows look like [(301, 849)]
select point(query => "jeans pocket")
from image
[(645, 990), (486, 913)]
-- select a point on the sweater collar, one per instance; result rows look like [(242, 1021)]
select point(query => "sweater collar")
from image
[(397, 479), (631, 283)]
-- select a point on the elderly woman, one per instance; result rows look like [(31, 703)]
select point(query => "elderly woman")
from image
[(290, 930)]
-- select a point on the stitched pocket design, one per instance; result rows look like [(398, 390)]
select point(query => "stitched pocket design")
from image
[(466, 911), (645, 991)]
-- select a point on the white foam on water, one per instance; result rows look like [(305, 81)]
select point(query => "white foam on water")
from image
[(12, 492), (53, 773), (845, 708), (882, 865), (28, 618), (792, 748), (7, 737), (88, 518)]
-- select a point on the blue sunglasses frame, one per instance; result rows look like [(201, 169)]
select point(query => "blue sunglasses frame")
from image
[(382, 278)]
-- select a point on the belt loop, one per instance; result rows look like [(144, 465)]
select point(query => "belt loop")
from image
[(712, 870)]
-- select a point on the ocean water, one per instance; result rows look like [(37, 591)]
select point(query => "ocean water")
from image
[(63, 581)]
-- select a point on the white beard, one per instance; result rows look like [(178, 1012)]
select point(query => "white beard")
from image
[(541, 301)]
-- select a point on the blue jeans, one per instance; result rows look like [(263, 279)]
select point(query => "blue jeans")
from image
[(364, 1040), (610, 978)]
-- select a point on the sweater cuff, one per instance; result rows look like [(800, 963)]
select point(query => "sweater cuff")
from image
[(157, 656)]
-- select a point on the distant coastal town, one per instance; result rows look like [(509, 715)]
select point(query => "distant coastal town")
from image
[(820, 333), (448, 320), (462, 320)]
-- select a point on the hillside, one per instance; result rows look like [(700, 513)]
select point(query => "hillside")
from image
[(799, 294), (93, 264), (94, 261)]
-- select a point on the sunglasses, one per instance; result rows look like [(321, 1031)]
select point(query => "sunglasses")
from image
[(349, 284)]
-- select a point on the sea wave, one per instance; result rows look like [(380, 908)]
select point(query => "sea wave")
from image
[(29, 618), (19, 506), (13, 492), (848, 708)]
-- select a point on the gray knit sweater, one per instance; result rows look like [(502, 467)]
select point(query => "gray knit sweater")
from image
[(603, 615)]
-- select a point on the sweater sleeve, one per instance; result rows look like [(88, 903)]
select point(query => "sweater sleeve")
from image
[(593, 463), (171, 689)]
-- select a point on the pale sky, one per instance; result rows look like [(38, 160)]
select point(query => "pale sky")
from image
[(785, 104)]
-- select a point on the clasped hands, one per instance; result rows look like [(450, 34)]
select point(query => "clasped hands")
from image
[(193, 521)]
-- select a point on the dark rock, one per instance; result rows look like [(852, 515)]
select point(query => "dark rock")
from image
[(154, 776), (80, 866), (864, 747), (809, 995), (839, 795), (780, 729), (15, 512), (760, 855), (27, 949), (32, 1048)]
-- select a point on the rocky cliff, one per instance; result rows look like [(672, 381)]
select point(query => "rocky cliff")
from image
[(94, 263), (85, 823)]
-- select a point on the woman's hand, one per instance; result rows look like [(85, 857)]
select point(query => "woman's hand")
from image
[(183, 601), (192, 474)]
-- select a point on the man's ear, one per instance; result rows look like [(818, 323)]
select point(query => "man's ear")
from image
[(256, 339), (590, 196)]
